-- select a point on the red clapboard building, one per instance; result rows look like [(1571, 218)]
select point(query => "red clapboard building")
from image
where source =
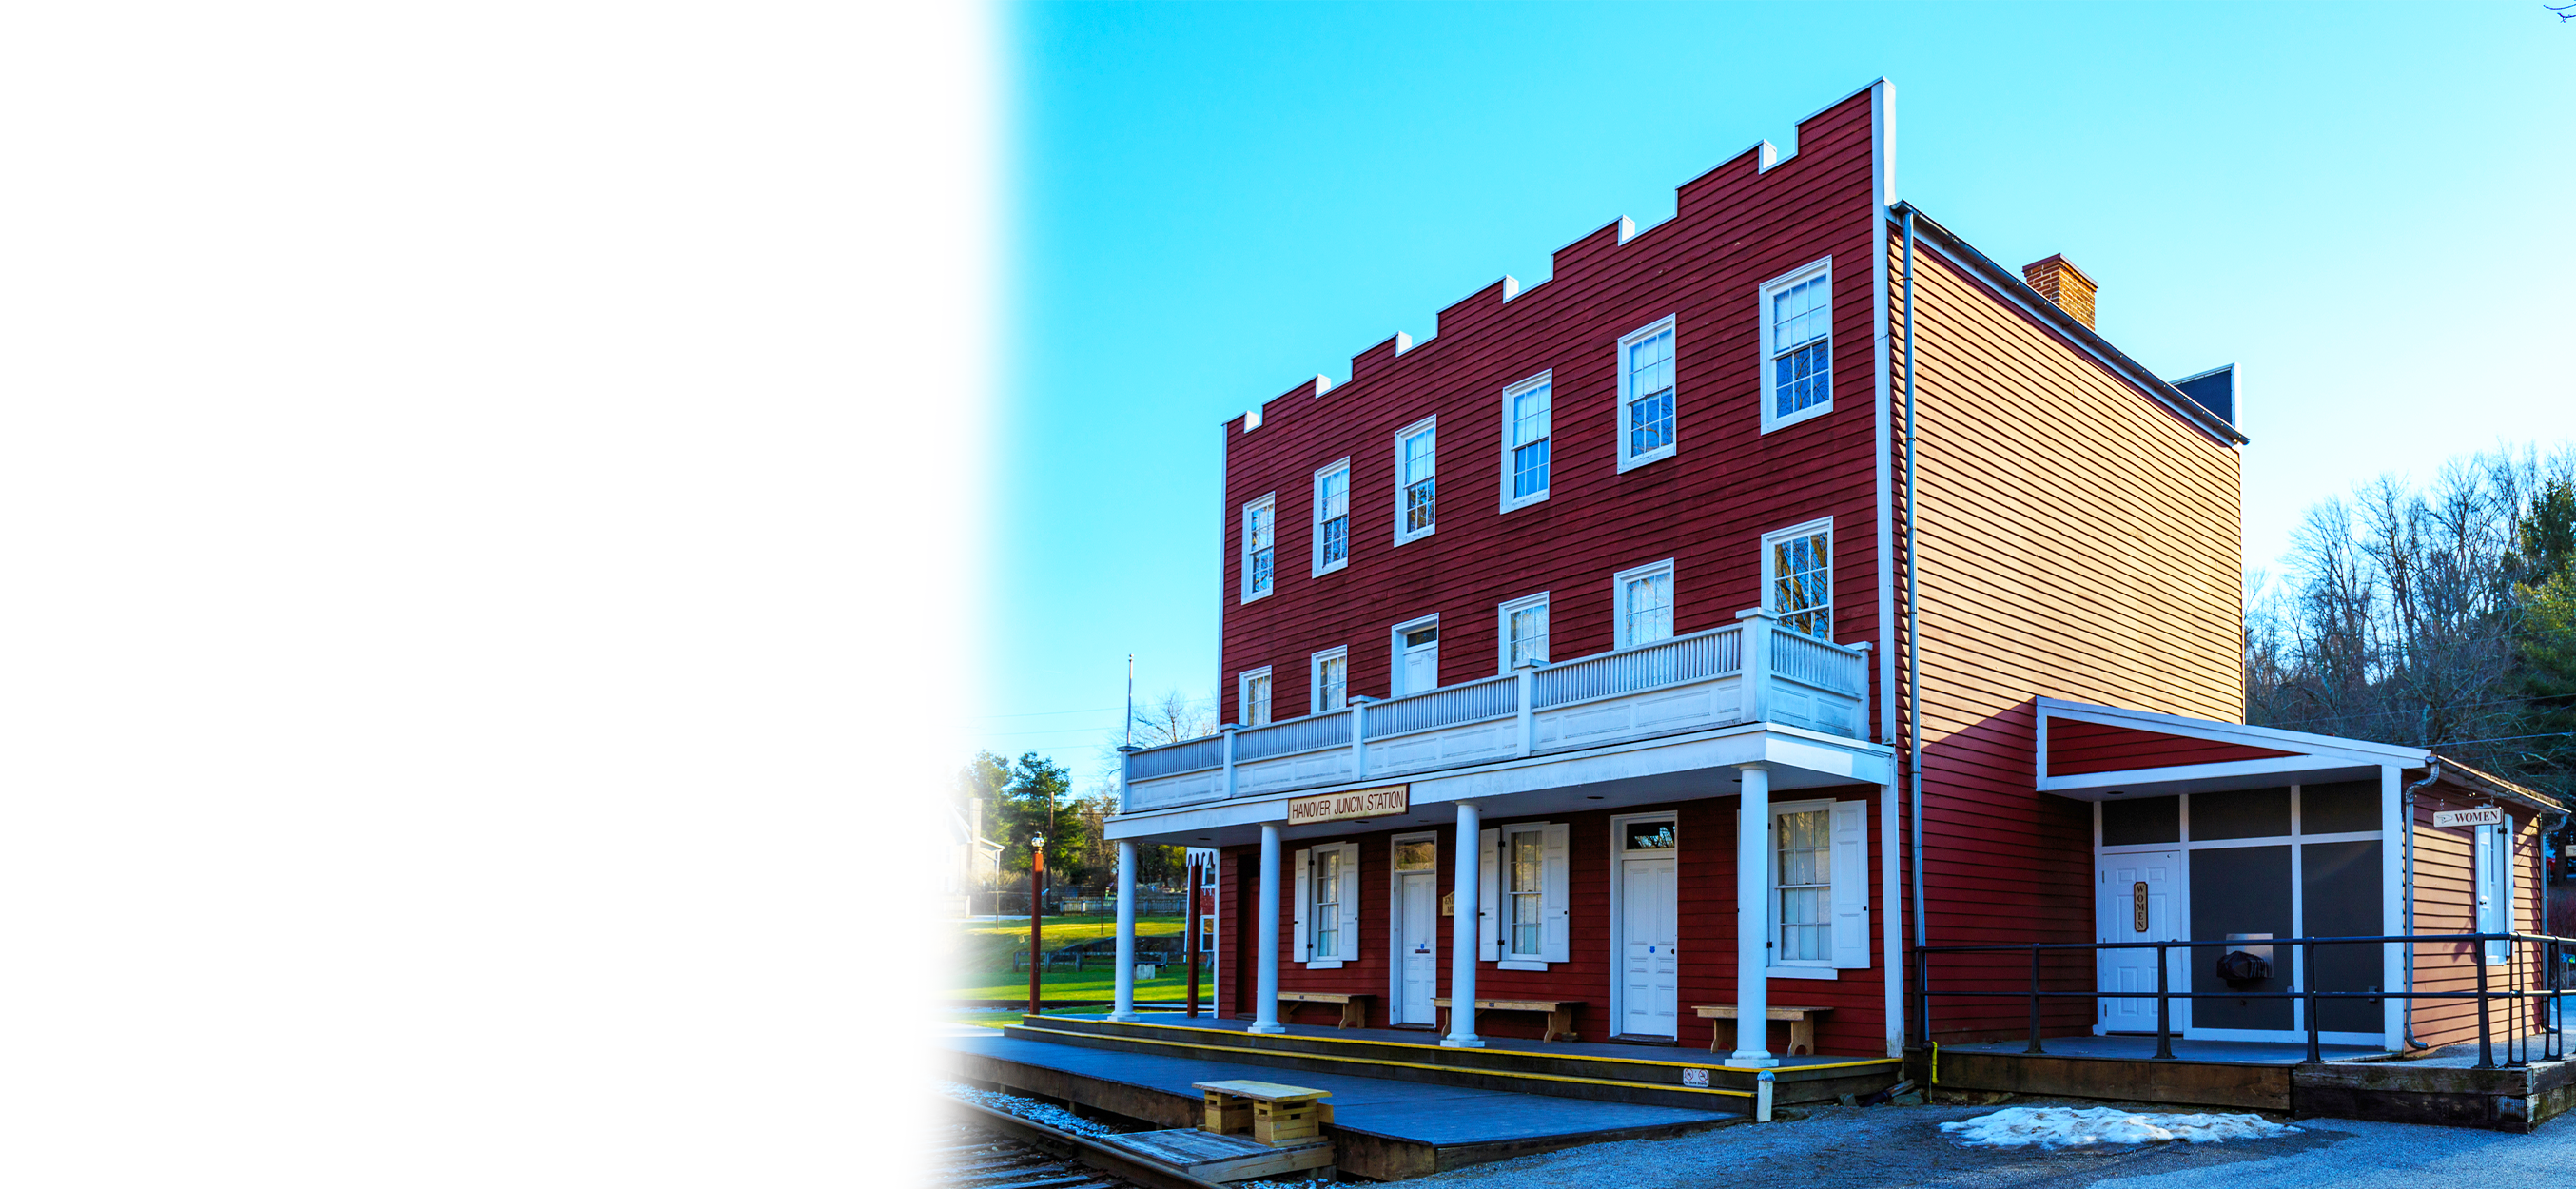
[(1773, 597)]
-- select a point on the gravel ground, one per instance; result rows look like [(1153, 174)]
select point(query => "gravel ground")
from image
[(1882, 1147)]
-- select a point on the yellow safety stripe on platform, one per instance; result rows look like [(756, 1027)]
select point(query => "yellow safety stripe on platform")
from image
[(1545, 1077), (1406, 1044)]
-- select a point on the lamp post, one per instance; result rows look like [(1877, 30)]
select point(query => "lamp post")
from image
[(1037, 886)]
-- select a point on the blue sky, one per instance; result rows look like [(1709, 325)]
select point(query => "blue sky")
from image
[(2363, 207)]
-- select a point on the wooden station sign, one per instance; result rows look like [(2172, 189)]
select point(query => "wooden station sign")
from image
[(2492, 815), (1333, 807)]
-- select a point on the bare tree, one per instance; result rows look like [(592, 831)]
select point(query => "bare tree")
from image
[(2402, 614)]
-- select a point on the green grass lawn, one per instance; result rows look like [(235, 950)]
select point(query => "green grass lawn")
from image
[(985, 950)]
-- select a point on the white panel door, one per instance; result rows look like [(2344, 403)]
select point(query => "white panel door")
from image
[(1650, 970), (1417, 930), (2123, 885)]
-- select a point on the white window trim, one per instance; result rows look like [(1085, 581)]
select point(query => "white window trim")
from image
[(1315, 679), (1762, 310), (1395, 658), (1243, 554), (1243, 695), (1618, 610), (1317, 567), (1771, 571), (1304, 863), (1431, 423), (1619, 412), (1510, 501), (1811, 967), (1503, 628)]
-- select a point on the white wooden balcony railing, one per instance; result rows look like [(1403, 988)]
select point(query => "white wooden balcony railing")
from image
[(1686, 683)]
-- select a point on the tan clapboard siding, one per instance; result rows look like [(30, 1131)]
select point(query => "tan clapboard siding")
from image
[(2078, 540), (2446, 902)]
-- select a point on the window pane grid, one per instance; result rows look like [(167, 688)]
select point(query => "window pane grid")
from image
[(1647, 608), (1802, 585), (1334, 674), (1328, 904), (1257, 530), (1333, 507), (1806, 886), (1524, 869), (1650, 393), (1532, 422), (1257, 702), (1529, 636), (1421, 466), (1801, 347)]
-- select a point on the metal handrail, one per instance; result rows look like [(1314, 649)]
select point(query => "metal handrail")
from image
[(2552, 1043)]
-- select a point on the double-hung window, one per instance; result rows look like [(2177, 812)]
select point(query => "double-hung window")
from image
[(1523, 916), (1524, 631), (1646, 425), (1642, 599), (1330, 679), (1798, 346), (1528, 431), (1260, 529), (1254, 688), (1417, 459), (1333, 517), (1328, 902), (1819, 911), (1798, 577)]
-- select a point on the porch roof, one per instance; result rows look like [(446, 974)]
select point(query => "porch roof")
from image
[(2172, 754)]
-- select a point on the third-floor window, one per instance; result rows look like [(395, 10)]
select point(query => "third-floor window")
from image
[(1333, 517), (1417, 457), (1798, 346), (1528, 427), (1646, 425), (1259, 523)]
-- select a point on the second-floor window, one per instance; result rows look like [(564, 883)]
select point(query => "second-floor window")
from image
[(1524, 632), (1256, 697), (1798, 346), (1417, 459), (1528, 428), (1644, 602), (1646, 425), (1259, 528), (1333, 517), (1798, 577), (1331, 679)]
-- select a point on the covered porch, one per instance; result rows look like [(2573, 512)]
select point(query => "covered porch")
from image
[(1749, 711)]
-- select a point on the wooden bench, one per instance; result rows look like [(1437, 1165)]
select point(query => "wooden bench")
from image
[(1559, 1013), (1802, 1024), (1275, 1114), (1354, 1007)]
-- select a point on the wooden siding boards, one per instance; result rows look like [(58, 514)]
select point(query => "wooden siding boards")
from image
[(2446, 902), (2078, 748), (1706, 508), (2079, 541)]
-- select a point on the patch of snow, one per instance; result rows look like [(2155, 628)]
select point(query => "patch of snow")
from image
[(1045, 1113), (2072, 1127)]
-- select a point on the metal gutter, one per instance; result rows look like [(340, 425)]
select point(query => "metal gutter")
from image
[(2011, 285)]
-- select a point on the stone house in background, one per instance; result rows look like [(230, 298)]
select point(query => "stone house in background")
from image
[(957, 848)]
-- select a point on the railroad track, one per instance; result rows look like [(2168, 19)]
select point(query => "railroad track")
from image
[(1015, 1153)]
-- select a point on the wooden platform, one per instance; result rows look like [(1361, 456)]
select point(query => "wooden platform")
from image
[(1212, 1157), (1381, 1128), (1641, 1074), (2440, 1089)]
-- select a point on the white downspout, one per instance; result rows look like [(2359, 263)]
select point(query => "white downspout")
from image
[(2406, 819)]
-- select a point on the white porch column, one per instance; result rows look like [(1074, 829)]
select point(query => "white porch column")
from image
[(1465, 937), (1753, 924), (1265, 937), (1123, 999)]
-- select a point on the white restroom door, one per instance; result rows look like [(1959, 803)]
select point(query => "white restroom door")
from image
[(1421, 669), (2118, 897), (1417, 931), (1650, 970)]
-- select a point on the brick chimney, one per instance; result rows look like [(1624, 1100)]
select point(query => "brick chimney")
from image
[(2058, 280)]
